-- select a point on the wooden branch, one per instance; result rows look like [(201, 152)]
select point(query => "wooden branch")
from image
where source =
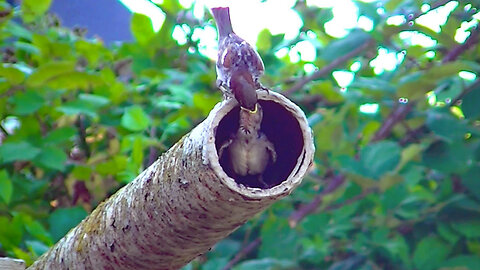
[(332, 185), (244, 252), (453, 54), (397, 115), (11, 264), (185, 201), (328, 68)]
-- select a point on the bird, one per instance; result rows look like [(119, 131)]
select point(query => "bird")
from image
[(239, 66), (249, 151)]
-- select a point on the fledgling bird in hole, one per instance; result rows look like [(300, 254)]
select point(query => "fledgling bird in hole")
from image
[(239, 66), (249, 150)]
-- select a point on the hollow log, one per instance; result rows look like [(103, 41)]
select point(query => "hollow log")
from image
[(187, 201)]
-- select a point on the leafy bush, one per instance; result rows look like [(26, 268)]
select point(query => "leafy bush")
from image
[(397, 188)]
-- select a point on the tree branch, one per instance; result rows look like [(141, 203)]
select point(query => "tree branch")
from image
[(333, 183), (453, 54), (397, 115), (243, 252), (82, 134), (328, 68)]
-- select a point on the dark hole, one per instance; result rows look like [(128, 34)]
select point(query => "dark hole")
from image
[(281, 128)]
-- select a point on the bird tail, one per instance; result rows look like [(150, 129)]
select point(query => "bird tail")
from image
[(222, 17)]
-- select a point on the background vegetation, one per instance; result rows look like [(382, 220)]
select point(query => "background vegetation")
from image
[(398, 188)]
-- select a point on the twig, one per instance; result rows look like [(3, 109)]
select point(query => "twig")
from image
[(3, 130), (334, 183), (397, 115), (243, 252), (453, 54), (470, 88), (328, 68), (400, 112), (351, 200), (83, 134)]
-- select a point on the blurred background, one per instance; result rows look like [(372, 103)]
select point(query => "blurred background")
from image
[(92, 92)]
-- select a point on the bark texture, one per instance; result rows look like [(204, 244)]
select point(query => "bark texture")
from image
[(186, 201), (11, 264)]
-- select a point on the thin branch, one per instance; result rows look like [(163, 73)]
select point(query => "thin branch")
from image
[(401, 112), (243, 252), (470, 88), (334, 183), (328, 68), (82, 134), (458, 50), (351, 200), (397, 115), (3, 130)]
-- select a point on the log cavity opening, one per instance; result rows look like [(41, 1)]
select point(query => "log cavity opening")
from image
[(281, 128)]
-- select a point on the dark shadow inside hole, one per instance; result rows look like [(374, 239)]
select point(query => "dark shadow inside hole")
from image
[(281, 128)]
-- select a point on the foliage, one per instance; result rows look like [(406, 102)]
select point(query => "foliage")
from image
[(394, 189)]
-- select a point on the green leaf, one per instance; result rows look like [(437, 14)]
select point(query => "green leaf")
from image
[(86, 104), (32, 9), (264, 42), (26, 47), (339, 48), (18, 30), (203, 101), (268, 264), (379, 158), (11, 231), (113, 166), (52, 157), (12, 75), (447, 158), (82, 172), (49, 71), (446, 126), (74, 80), (27, 102), (59, 135), (94, 100), (462, 262), (135, 119), (18, 151), (274, 246), (470, 107), (6, 187), (37, 230), (468, 228), (36, 247), (373, 84), (327, 91), (430, 252), (439, 72), (142, 28), (137, 151), (447, 233), (471, 181), (391, 5), (62, 220)]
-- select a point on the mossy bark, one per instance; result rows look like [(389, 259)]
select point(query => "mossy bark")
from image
[(185, 202)]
